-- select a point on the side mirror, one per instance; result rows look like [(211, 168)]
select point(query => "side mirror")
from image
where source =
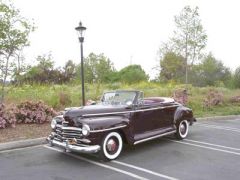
[(129, 104), (140, 102)]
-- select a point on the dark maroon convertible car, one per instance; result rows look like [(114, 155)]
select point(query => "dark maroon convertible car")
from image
[(121, 117)]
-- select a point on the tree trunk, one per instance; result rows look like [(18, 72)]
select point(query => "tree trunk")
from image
[(5, 74), (186, 61)]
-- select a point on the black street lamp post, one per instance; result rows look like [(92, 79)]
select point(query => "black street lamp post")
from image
[(81, 29)]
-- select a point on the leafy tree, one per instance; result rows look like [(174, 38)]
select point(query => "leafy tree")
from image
[(132, 74), (236, 77), (45, 62), (189, 37), (210, 72), (44, 71), (97, 68), (14, 33), (172, 67), (19, 68), (69, 71)]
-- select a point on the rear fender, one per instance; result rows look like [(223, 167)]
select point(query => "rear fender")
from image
[(184, 113)]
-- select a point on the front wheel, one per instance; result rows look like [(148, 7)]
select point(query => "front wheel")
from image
[(182, 129), (111, 146)]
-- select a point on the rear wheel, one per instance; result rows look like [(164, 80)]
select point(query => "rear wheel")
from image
[(182, 129), (111, 146)]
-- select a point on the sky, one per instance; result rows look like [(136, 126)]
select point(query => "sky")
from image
[(126, 31)]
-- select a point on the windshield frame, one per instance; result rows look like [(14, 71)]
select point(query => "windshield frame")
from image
[(133, 101)]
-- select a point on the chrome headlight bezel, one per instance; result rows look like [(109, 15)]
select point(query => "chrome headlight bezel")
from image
[(53, 123), (85, 130)]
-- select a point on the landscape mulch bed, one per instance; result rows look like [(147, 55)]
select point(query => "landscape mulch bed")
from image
[(24, 131)]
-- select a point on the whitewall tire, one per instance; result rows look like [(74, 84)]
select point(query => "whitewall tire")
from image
[(111, 146), (182, 129)]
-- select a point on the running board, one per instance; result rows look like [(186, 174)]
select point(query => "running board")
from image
[(154, 137)]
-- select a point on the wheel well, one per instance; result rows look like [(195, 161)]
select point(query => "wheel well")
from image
[(181, 119), (190, 120), (120, 131)]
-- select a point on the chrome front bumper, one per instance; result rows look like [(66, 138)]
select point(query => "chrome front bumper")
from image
[(74, 148)]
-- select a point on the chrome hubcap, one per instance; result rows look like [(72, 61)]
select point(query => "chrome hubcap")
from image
[(183, 128), (111, 145)]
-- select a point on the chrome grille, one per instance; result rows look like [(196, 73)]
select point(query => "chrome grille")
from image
[(65, 133)]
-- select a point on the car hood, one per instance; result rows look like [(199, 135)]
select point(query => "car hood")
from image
[(74, 112)]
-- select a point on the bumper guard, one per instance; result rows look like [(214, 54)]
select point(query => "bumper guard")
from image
[(74, 148)]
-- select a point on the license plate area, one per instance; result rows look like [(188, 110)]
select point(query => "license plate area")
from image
[(72, 141)]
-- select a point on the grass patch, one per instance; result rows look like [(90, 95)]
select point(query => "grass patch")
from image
[(50, 94)]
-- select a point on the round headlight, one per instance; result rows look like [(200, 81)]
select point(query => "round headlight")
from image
[(53, 123), (85, 130)]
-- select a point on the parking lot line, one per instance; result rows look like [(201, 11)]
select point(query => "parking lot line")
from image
[(145, 170), (205, 147), (218, 127), (100, 164), (216, 145), (233, 120)]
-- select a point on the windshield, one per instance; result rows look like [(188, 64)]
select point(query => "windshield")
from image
[(119, 98)]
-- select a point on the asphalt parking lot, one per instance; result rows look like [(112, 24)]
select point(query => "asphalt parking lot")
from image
[(211, 151)]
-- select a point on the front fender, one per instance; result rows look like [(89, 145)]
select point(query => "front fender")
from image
[(100, 126), (182, 113), (105, 122)]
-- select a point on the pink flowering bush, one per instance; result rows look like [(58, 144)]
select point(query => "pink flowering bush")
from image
[(34, 112), (2, 119), (213, 98), (7, 116), (181, 96), (26, 112)]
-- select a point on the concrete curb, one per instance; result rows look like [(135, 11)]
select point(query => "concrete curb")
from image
[(22, 143), (42, 140)]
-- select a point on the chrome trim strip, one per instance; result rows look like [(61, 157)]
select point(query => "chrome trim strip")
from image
[(71, 134), (84, 140), (123, 112), (100, 114), (58, 125), (68, 128), (108, 129), (154, 137), (71, 128)]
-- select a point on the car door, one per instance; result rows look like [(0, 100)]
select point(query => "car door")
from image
[(167, 115), (147, 118), (152, 117)]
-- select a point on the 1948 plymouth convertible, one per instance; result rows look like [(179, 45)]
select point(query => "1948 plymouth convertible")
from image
[(120, 117)]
